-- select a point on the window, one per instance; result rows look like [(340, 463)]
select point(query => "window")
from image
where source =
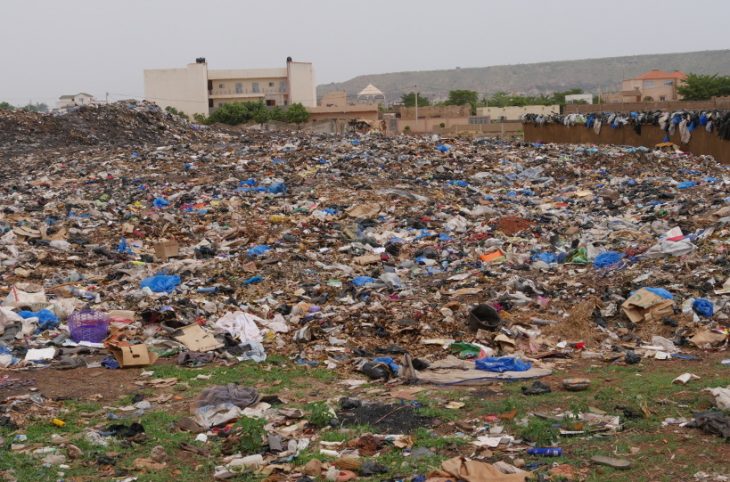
[(662, 98), (220, 86), (271, 84), (210, 85), (239, 88), (210, 103), (255, 87), (648, 84), (282, 86), (668, 82), (270, 102)]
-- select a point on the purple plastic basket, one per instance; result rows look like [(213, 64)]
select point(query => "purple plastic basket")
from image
[(88, 325)]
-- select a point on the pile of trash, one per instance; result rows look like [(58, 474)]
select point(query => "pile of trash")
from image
[(424, 260), (297, 244), (124, 123)]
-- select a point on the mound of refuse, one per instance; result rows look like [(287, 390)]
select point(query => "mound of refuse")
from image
[(124, 123)]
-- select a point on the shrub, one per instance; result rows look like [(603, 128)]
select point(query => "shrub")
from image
[(297, 114), (252, 434)]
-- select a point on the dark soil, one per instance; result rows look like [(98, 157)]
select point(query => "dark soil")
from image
[(389, 418)]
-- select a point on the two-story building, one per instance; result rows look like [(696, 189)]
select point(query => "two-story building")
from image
[(653, 86), (195, 89)]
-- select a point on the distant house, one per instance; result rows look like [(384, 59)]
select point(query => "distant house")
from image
[(81, 98), (653, 86)]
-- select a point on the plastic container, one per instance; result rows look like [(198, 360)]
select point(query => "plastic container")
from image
[(546, 451), (88, 325)]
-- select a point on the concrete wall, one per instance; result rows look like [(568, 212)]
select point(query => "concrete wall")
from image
[(337, 98), (701, 142), (351, 112), (184, 89), (301, 84), (514, 113), (440, 112), (432, 124)]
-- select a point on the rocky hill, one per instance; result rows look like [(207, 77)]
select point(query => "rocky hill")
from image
[(589, 74)]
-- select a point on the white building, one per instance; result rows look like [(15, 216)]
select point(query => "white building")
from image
[(81, 98), (195, 89)]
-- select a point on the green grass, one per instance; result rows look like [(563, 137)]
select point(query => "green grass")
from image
[(274, 369), (645, 386)]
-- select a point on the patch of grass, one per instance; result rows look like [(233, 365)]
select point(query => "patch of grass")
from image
[(252, 434), (427, 439), (429, 408), (275, 374), (539, 431), (405, 467), (319, 414)]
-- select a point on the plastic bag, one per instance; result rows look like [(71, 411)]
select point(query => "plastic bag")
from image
[(502, 364), (607, 259), (703, 307), (161, 283), (258, 250)]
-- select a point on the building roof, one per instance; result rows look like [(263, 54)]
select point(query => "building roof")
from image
[(370, 90), (657, 74), (71, 96)]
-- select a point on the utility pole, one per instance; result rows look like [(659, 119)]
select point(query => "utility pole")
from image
[(416, 89), (107, 97)]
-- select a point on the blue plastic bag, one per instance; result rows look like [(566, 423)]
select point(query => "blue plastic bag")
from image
[(703, 307), (277, 188), (253, 279), (660, 292), (392, 365), (258, 250), (502, 364), (46, 318), (686, 184), (458, 183), (545, 257), (606, 259), (123, 247), (362, 280), (442, 148), (161, 283), (160, 203)]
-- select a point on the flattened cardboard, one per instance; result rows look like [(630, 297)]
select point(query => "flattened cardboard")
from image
[(131, 355), (646, 306), (197, 339), (167, 249)]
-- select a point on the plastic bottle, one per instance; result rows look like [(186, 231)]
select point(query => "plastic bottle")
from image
[(546, 451)]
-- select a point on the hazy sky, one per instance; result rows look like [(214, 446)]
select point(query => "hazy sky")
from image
[(54, 47)]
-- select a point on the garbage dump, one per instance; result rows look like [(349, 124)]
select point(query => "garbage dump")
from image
[(397, 272)]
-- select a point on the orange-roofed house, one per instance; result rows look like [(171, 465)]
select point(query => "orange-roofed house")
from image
[(653, 86)]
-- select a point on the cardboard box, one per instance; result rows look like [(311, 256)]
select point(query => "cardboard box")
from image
[(131, 355), (167, 249), (647, 306), (196, 338)]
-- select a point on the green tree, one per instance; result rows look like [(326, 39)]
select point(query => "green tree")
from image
[(6, 106), (559, 97), (498, 99), (176, 112), (463, 97), (297, 114), (277, 114), (704, 87), (239, 113), (259, 112), (200, 119), (38, 107), (409, 100)]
